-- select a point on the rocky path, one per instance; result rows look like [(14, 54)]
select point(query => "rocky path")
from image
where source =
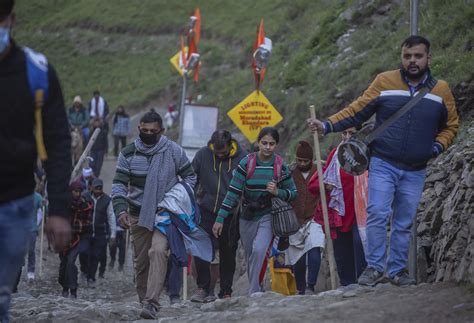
[(114, 299)]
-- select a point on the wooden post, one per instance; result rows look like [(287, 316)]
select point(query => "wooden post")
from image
[(41, 242), (86, 151), (322, 191)]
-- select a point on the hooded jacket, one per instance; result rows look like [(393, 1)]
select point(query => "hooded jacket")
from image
[(214, 175)]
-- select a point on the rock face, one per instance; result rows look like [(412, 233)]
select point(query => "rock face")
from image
[(445, 221)]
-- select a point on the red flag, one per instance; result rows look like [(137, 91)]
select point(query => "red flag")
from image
[(258, 41)]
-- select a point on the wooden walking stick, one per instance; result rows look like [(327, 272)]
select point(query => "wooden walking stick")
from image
[(41, 242), (322, 191), (185, 283)]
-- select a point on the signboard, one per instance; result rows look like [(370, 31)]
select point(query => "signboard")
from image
[(199, 124), (254, 113), (177, 62)]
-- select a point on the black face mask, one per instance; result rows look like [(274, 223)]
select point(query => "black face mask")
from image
[(149, 139)]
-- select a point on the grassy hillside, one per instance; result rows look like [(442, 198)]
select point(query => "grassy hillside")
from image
[(122, 47)]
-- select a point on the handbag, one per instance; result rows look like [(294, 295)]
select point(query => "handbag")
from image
[(354, 154), (284, 221)]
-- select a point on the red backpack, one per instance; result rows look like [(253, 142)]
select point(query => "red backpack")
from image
[(252, 164)]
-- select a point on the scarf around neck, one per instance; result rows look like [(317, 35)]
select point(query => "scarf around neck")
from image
[(161, 177)]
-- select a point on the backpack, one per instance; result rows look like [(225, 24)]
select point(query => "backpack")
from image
[(252, 164), (37, 72), (284, 221)]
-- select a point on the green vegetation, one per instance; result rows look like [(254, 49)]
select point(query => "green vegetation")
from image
[(122, 48)]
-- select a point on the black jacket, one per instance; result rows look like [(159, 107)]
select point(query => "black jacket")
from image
[(17, 142), (214, 175)]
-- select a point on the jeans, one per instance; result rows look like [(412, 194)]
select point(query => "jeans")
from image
[(86, 132), (349, 256), (313, 263), (15, 225), (392, 192)]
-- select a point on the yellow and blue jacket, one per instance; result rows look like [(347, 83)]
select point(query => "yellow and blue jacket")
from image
[(420, 134)]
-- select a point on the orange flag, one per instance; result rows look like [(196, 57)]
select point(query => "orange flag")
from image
[(259, 75), (197, 27)]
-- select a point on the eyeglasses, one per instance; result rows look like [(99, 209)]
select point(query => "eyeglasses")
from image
[(98, 188)]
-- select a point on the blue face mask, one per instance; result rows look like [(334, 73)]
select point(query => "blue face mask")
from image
[(4, 39)]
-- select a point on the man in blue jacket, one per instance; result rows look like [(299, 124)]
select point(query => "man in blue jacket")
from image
[(19, 154), (399, 155)]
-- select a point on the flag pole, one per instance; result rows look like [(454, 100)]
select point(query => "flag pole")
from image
[(322, 191)]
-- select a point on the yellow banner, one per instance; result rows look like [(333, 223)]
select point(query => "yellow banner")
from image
[(177, 62), (254, 113)]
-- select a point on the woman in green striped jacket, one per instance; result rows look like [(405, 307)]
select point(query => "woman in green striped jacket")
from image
[(258, 177)]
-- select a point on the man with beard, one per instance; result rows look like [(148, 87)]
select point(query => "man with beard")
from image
[(94, 245), (399, 155), (214, 165), (146, 170), (304, 250)]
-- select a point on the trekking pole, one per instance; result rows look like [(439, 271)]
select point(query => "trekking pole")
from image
[(322, 191), (41, 242), (185, 283), (86, 151)]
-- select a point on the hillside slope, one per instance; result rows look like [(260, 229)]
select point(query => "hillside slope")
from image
[(325, 52)]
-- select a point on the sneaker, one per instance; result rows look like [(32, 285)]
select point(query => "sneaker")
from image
[(31, 276), (175, 300), (101, 276), (402, 279), (199, 296), (73, 293), (65, 292), (120, 268), (111, 264), (370, 277), (149, 312), (210, 298)]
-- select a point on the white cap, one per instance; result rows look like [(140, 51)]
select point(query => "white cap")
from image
[(86, 172), (77, 99)]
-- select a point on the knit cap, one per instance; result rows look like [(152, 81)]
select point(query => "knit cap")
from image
[(304, 150)]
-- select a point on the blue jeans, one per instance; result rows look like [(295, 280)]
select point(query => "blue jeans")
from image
[(15, 226), (314, 263), (85, 132), (392, 192)]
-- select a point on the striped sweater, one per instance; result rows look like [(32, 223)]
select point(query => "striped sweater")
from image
[(131, 173), (254, 188)]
